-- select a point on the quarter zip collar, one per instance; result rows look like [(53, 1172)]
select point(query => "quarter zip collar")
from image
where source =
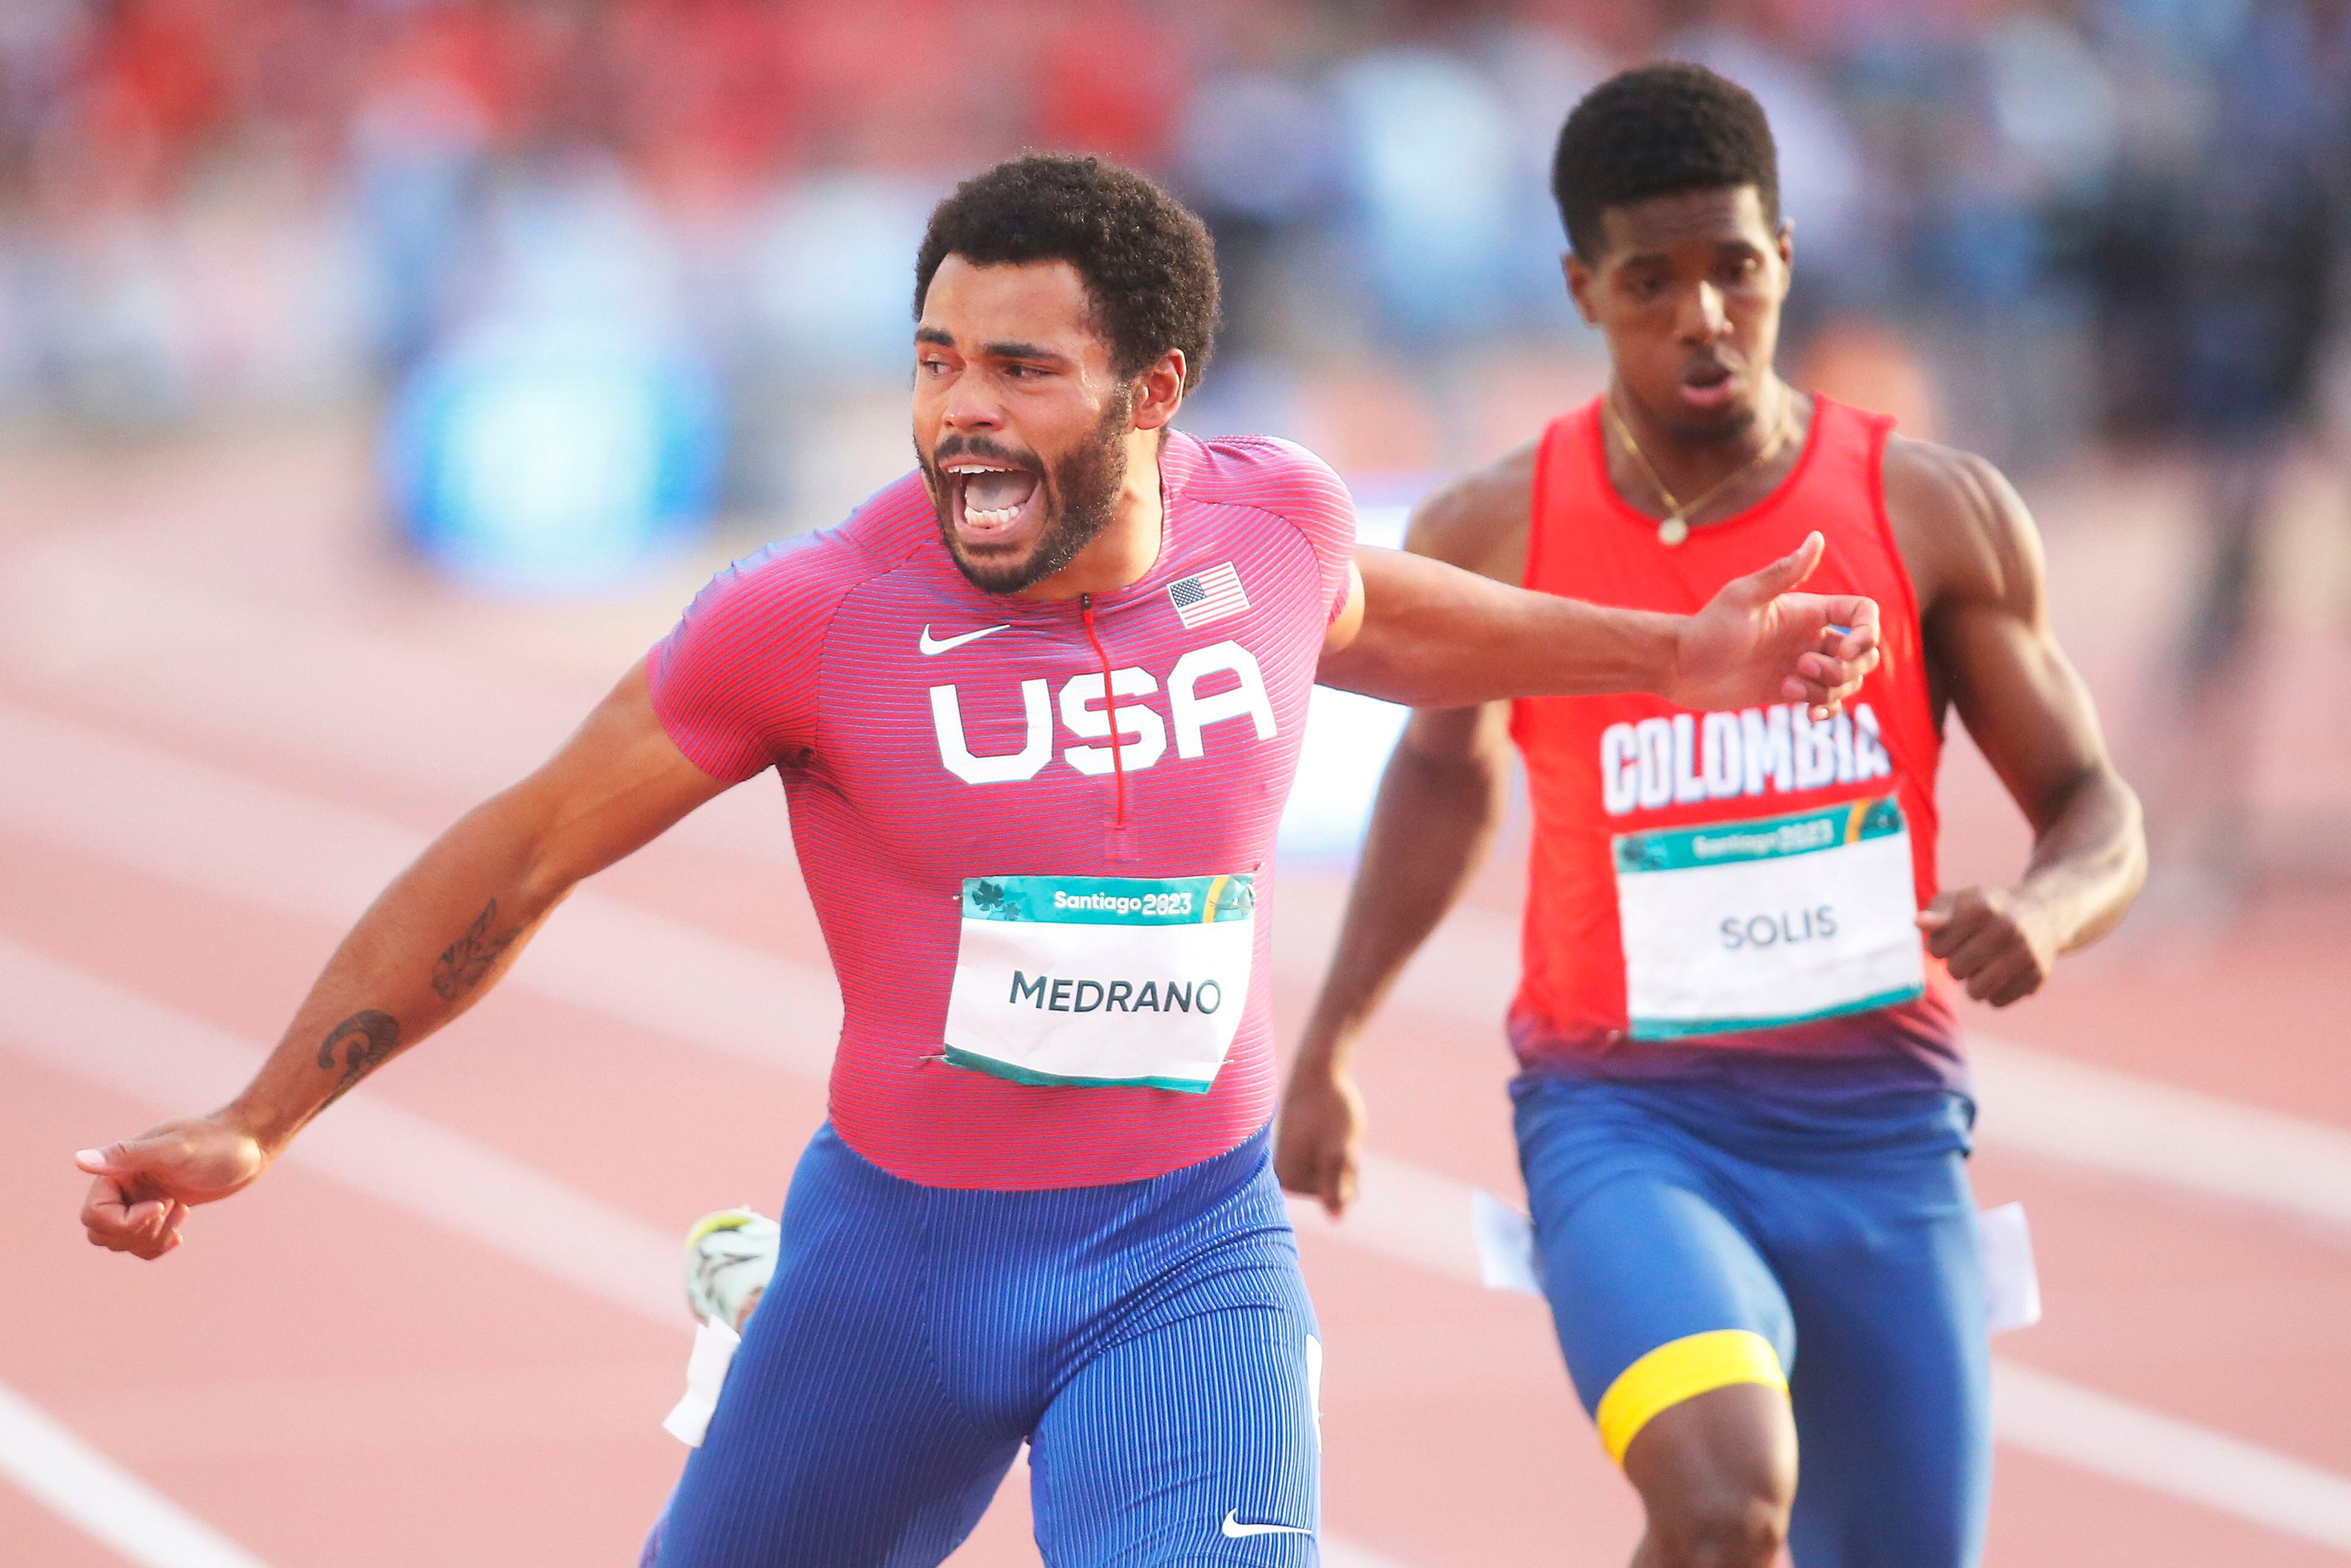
[(1109, 709)]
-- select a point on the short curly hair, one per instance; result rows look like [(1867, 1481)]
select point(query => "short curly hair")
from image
[(1149, 267), (1658, 131)]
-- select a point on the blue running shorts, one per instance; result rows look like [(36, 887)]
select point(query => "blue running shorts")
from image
[(1151, 1341), (1689, 1238)]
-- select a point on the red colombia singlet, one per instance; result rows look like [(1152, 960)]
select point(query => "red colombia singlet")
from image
[(1744, 881)]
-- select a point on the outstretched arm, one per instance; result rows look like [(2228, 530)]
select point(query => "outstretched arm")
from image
[(427, 950), (1433, 635), (1991, 649)]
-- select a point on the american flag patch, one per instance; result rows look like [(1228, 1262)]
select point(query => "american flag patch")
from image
[(1209, 595)]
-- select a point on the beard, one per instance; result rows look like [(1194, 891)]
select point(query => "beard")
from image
[(1735, 423), (1080, 497)]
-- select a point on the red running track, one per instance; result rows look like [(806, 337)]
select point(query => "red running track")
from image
[(335, 1373)]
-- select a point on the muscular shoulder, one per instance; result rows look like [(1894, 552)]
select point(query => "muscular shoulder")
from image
[(891, 524), (804, 576), (1270, 475), (1280, 479), (735, 681), (1965, 533), (1478, 520)]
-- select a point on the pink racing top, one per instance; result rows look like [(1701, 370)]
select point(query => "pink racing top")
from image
[(927, 732)]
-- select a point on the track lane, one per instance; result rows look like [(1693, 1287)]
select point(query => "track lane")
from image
[(160, 936), (311, 1283), (751, 883)]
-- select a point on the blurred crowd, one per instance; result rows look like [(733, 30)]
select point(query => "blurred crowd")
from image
[(2084, 216), (598, 270)]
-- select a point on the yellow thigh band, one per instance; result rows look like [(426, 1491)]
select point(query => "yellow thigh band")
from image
[(1682, 1369)]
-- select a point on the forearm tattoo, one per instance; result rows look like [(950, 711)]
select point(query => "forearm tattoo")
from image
[(464, 961), (372, 1035)]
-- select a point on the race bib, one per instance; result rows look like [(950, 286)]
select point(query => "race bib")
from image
[(1101, 980), (1752, 924)]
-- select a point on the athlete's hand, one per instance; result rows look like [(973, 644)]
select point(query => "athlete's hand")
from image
[(145, 1186), (1757, 641), (1990, 941), (1321, 1137)]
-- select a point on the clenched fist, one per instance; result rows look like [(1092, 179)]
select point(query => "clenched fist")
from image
[(146, 1186), (1990, 941), (1321, 1137)]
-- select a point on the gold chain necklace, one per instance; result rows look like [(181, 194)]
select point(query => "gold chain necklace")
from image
[(1675, 527)]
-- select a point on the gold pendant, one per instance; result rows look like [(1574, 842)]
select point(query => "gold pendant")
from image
[(1673, 530)]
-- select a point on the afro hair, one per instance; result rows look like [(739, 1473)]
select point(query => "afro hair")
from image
[(1149, 267), (1658, 131)]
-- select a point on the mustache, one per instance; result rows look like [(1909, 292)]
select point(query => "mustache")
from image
[(982, 447)]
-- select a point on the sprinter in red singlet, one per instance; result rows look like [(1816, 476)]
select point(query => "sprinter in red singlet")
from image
[(1037, 706), (1742, 1112)]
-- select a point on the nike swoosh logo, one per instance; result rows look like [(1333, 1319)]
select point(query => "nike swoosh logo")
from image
[(941, 645), (1236, 1531)]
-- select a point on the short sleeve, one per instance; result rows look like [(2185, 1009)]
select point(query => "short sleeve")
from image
[(1317, 502), (735, 682)]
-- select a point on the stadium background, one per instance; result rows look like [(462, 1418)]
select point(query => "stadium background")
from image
[(377, 377)]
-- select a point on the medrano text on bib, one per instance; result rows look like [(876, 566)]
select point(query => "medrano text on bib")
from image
[(1101, 980), (1753, 925)]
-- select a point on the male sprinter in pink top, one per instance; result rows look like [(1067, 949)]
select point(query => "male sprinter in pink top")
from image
[(1036, 708)]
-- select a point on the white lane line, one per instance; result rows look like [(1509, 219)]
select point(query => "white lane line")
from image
[(116, 799), (2065, 1421), (103, 1034), (94, 1029), (102, 1499), (1394, 1215), (137, 807), (431, 716), (98, 794), (156, 644), (2054, 1108), (2030, 1101)]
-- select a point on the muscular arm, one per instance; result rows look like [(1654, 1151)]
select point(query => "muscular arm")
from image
[(1434, 637), (1439, 802), (1991, 655), (1424, 631), (431, 944)]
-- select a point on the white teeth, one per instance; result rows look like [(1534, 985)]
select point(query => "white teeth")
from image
[(989, 520)]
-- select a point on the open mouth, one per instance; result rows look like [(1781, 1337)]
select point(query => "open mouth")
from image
[(1710, 385), (993, 501)]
